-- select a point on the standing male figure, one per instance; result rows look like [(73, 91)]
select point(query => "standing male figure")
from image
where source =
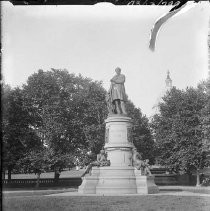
[(117, 92)]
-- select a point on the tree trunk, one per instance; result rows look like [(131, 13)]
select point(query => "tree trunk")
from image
[(9, 174), (3, 174), (56, 175), (38, 180), (190, 180), (198, 184)]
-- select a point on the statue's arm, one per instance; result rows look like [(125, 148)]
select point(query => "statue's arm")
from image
[(98, 157), (118, 80), (138, 156), (113, 79), (134, 158)]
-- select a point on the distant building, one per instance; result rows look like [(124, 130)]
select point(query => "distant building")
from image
[(168, 81), (168, 87)]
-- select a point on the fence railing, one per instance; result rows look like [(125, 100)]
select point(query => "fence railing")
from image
[(47, 182), (160, 179)]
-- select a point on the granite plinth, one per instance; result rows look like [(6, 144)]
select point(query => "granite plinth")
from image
[(117, 180), (90, 182), (145, 184)]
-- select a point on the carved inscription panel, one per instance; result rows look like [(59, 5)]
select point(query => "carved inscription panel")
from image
[(117, 136)]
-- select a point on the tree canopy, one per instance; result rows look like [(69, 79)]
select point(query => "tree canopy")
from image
[(68, 110), (142, 137), (178, 130), (18, 136)]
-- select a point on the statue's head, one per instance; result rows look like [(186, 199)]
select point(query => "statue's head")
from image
[(147, 160), (102, 151), (118, 70)]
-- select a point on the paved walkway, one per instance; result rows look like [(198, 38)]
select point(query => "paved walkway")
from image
[(181, 193), (164, 190)]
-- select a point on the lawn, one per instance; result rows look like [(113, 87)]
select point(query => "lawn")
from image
[(37, 192), (106, 203)]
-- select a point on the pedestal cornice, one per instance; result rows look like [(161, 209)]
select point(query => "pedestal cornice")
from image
[(118, 118)]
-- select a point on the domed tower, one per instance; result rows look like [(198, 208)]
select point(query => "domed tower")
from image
[(168, 81), (168, 87)]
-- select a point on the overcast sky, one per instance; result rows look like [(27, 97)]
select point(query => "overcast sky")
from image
[(94, 40)]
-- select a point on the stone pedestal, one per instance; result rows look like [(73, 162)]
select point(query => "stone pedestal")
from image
[(90, 182), (118, 141), (116, 180), (121, 177), (145, 184)]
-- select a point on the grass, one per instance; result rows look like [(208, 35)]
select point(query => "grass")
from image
[(37, 192), (106, 203)]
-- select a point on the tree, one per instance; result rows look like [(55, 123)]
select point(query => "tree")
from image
[(35, 161), (142, 137), (67, 110), (205, 113), (43, 159), (178, 130), (57, 161), (18, 137)]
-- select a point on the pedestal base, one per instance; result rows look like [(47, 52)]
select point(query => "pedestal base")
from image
[(90, 182), (117, 180), (145, 184)]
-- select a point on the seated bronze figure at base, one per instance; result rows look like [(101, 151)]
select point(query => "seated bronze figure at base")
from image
[(140, 164), (101, 161)]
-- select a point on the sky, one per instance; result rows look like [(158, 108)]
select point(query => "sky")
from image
[(94, 40)]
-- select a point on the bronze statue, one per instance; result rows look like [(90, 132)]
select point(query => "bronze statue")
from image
[(116, 95), (140, 164), (101, 161), (146, 170)]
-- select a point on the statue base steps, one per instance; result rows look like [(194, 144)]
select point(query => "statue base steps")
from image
[(117, 180)]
